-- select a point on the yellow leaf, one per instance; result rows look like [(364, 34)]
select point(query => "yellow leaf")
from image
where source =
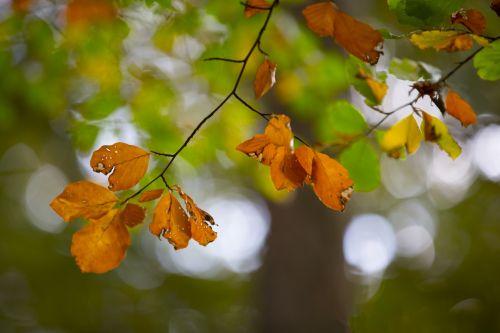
[(358, 38), (101, 245), (171, 222), (127, 164), (436, 131), (460, 109), (379, 89), (265, 78), (132, 215), (404, 133), (450, 41), (254, 7), (150, 195), (83, 199), (201, 222)]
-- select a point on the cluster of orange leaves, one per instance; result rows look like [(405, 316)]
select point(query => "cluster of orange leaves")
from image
[(291, 168), (102, 243)]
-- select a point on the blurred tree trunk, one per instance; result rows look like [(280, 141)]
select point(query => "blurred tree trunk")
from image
[(303, 286)]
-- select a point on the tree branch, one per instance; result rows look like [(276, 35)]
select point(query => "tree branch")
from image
[(219, 106)]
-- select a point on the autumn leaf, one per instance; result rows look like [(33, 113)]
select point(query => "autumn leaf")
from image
[(358, 38), (436, 131), (171, 222), (404, 133), (378, 88), (263, 146), (132, 215), (85, 12), (101, 245), (254, 7), (150, 195), (275, 148), (286, 171), (265, 78), (21, 6), (495, 6), (442, 40), (126, 163), (83, 199), (460, 109), (472, 19), (330, 179), (201, 222)]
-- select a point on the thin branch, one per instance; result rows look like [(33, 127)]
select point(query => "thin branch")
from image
[(459, 65), (165, 182), (257, 7), (224, 59), (218, 107), (389, 113), (261, 50), (251, 108), (161, 154)]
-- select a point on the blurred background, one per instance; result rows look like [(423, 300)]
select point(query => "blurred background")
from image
[(421, 253)]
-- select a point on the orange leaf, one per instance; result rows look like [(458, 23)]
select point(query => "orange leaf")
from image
[(472, 19), (263, 146), (330, 179), (85, 12), (358, 38), (320, 18), (460, 109), (83, 199), (127, 163), (101, 245), (286, 171), (21, 6), (201, 222), (495, 6), (151, 195), (171, 222), (265, 78), (132, 215), (253, 7)]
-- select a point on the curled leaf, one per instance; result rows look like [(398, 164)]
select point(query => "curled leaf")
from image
[(286, 171), (171, 222), (330, 179), (126, 163), (442, 40), (265, 78), (436, 131), (150, 195), (404, 133), (358, 38), (472, 19), (460, 109), (83, 199), (132, 215), (254, 7), (101, 245), (201, 222)]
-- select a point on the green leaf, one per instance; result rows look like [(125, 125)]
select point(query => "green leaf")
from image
[(83, 135), (341, 121), (389, 35), (406, 69), (486, 62), (361, 160), (422, 13), (101, 105)]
